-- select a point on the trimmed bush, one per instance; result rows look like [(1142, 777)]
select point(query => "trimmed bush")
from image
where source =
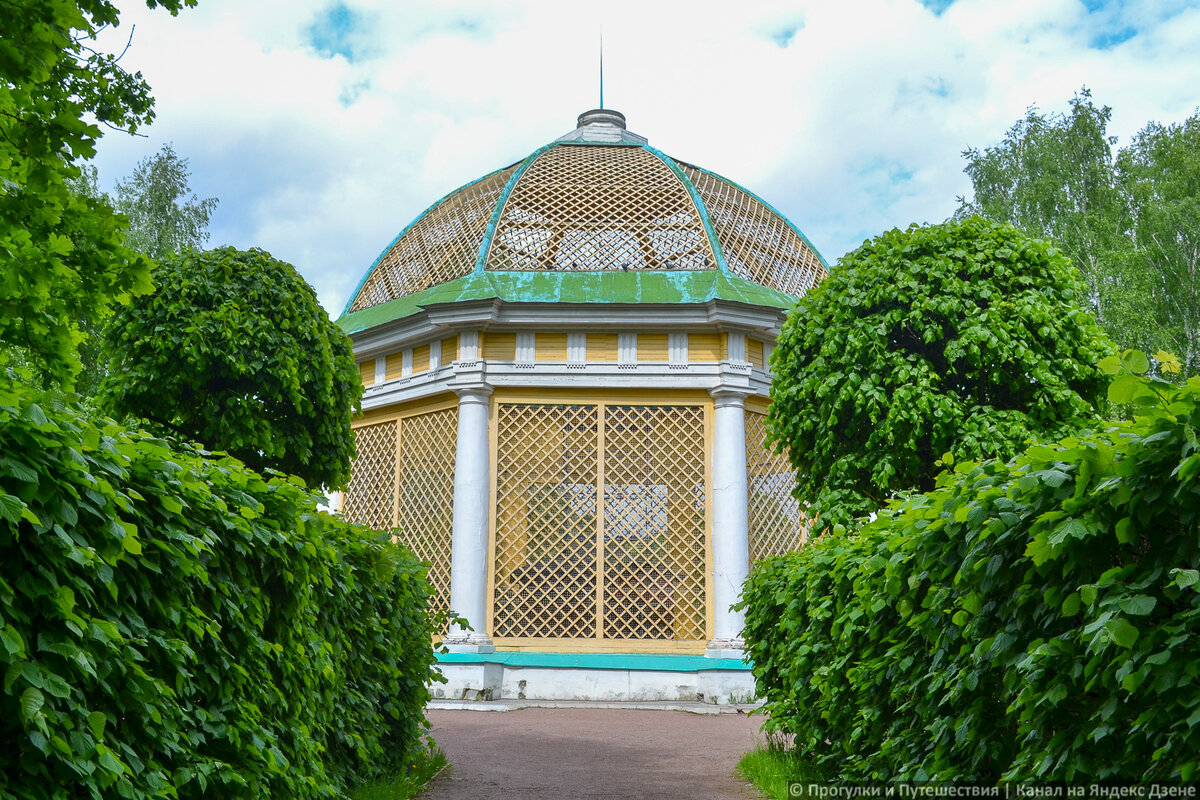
[(173, 625), (1035, 620)]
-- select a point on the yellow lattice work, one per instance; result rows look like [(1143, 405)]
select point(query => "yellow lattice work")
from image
[(545, 560), (425, 494), (372, 476), (599, 208), (777, 524), (758, 245), (442, 245), (653, 548), (600, 522)]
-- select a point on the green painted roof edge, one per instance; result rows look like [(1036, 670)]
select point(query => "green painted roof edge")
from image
[(415, 220), (675, 287), (770, 208), (631, 661)]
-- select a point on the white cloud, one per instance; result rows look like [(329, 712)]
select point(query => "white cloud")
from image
[(855, 126)]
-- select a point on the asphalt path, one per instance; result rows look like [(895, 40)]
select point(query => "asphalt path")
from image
[(553, 753)]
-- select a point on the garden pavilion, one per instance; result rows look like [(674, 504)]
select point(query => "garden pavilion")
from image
[(566, 365)]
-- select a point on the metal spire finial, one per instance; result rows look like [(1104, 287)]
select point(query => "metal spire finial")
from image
[(601, 66)]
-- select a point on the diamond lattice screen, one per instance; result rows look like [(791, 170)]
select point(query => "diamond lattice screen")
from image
[(758, 245), (552, 536), (776, 523), (590, 208), (372, 476), (425, 494), (545, 562), (653, 557), (442, 245)]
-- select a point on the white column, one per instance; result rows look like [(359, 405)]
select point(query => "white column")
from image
[(469, 547), (731, 527)]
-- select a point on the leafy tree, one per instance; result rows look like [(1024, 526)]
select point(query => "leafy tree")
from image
[(163, 218), (62, 253), (1123, 218), (233, 350), (966, 338), (1159, 176)]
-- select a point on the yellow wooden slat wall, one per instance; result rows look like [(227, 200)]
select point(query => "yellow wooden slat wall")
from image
[(421, 359), (602, 347), (500, 347), (551, 347), (449, 350), (705, 346), (395, 365), (652, 347), (367, 370), (754, 353)]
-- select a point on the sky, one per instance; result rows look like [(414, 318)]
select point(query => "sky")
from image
[(325, 126)]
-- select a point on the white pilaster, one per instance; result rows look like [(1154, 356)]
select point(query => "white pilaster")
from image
[(677, 348), (627, 348), (469, 545), (731, 528)]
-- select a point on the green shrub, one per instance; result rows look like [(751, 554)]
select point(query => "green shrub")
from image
[(967, 336), (1035, 620), (179, 626)]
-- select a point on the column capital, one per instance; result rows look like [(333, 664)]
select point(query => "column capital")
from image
[(475, 392), (729, 396)]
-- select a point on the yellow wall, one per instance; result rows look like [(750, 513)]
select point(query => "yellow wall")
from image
[(449, 349), (500, 347), (652, 347), (395, 364), (704, 347), (551, 347), (602, 347), (421, 359), (367, 370), (754, 352)]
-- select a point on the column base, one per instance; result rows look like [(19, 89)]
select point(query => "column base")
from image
[(726, 648), (468, 642)]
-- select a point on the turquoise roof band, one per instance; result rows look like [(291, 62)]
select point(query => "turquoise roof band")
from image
[(664, 287)]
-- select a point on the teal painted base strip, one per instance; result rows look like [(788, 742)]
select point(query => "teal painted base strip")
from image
[(630, 661)]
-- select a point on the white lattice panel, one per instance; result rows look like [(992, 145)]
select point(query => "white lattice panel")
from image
[(425, 494), (777, 524), (589, 208), (372, 476), (758, 245)]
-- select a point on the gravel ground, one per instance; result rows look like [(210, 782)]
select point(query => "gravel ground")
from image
[(553, 753)]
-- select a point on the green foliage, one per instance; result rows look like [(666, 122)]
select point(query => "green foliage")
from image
[(163, 218), (1159, 176), (428, 764), (233, 350), (964, 338), (1130, 222), (61, 250), (774, 766), (1027, 621), (174, 626)]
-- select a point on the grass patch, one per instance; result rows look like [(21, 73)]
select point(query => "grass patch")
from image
[(772, 765), (428, 764)]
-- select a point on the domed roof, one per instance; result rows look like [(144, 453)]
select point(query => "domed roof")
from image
[(599, 199)]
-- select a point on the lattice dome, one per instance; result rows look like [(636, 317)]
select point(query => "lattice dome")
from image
[(598, 199)]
